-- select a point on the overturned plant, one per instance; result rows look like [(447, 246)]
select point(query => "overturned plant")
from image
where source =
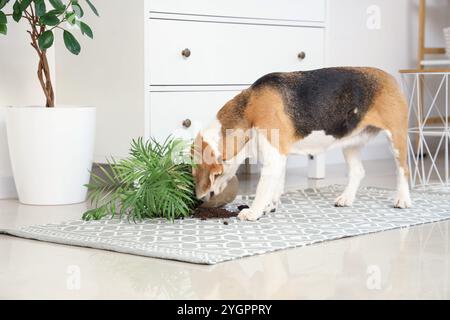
[(154, 181)]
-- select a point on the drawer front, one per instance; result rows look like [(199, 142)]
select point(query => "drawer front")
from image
[(301, 10), (223, 53), (170, 110)]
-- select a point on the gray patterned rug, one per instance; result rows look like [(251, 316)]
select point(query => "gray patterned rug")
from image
[(304, 217)]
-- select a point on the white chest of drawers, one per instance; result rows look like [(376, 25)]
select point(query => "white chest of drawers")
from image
[(201, 53), (168, 61)]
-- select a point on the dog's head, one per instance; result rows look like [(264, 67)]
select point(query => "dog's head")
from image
[(208, 170)]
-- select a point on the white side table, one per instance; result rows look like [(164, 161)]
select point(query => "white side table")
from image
[(427, 92)]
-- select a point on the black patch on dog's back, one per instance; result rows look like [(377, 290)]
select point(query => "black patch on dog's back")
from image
[(331, 99)]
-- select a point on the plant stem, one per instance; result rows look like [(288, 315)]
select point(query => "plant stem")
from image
[(47, 87), (43, 71)]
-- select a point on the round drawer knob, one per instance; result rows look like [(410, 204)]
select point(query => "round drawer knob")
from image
[(186, 53), (187, 123), (301, 55)]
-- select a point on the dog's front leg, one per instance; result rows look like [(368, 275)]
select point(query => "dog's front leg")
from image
[(265, 191), (355, 174), (268, 187)]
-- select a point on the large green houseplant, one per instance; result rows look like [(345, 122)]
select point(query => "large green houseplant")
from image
[(43, 23), (51, 149)]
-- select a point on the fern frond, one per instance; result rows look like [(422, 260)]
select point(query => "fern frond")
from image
[(150, 183)]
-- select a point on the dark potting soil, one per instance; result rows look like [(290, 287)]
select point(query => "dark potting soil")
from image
[(215, 213)]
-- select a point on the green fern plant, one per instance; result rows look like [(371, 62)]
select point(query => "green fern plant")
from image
[(154, 181)]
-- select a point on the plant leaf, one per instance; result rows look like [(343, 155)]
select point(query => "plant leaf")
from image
[(3, 29), (78, 10), (40, 8), (95, 214), (45, 41), (3, 19), (3, 3), (93, 8), (49, 19), (85, 29), (71, 17), (17, 12), (56, 12), (57, 4), (24, 4), (71, 43)]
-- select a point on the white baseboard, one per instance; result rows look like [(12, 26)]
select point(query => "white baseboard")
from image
[(7, 188)]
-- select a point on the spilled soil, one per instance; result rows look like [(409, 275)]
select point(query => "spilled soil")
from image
[(216, 213)]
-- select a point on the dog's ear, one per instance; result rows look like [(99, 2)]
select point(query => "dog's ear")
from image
[(194, 158), (206, 166), (215, 171), (197, 149)]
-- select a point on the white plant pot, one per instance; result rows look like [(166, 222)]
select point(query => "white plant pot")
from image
[(51, 152)]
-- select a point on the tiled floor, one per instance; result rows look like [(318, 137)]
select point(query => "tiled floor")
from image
[(407, 263)]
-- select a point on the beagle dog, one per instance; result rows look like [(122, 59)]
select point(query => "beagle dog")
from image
[(305, 112)]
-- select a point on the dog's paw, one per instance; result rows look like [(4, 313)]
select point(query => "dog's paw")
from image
[(271, 207), (248, 214), (344, 200), (402, 202)]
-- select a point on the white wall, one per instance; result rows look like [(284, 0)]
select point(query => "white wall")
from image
[(355, 38), (394, 45), (19, 85), (368, 33), (108, 73)]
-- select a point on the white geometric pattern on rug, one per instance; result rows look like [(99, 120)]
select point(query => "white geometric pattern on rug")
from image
[(433, 187), (303, 218)]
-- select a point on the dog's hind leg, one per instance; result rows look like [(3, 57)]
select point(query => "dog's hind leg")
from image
[(398, 139), (352, 155)]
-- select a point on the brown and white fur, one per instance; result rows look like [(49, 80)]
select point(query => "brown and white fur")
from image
[(306, 113)]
